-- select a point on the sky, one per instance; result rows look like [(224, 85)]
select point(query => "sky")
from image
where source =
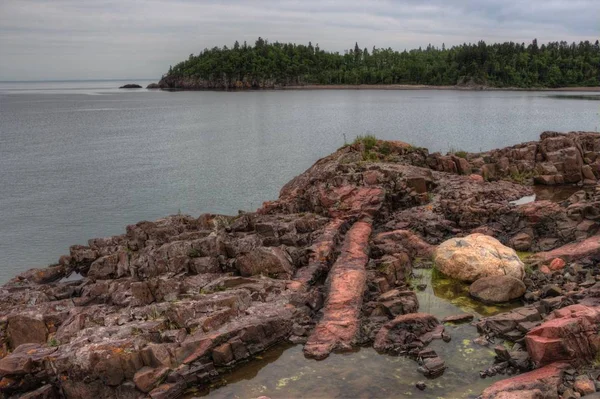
[(120, 39)]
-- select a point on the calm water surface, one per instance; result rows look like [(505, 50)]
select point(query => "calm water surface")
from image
[(83, 159)]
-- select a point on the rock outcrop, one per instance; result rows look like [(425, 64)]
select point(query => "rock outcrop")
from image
[(176, 302), (558, 158), (131, 86)]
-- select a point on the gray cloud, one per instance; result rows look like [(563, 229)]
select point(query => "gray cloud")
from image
[(85, 39)]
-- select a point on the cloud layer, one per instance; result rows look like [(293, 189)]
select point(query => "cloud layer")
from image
[(85, 39)]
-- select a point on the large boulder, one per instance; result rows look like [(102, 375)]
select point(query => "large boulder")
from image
[(475, 256), (497, 289)]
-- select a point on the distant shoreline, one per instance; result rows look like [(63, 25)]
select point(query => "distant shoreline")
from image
[(429, 87), (590, 89)]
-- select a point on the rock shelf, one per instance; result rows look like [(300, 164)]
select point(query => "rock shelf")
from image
[(174, 303)]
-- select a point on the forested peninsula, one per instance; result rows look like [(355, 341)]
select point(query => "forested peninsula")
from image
[(284, 65)]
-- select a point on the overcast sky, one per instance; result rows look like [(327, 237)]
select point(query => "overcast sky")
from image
[(87, 39)]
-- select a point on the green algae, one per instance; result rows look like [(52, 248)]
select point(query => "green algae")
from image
[(456, 293)]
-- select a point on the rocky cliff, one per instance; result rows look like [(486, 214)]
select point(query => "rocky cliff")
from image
[(174, 303)]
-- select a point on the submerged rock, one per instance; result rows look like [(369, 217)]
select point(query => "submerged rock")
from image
[(475, 256)]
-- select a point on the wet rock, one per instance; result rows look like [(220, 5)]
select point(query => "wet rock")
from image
[(131, 86), (421, 385), (506, 324), (539, 383), (569, 334), (475, 256), (433, 367), (584, 385), (396, 302), (222, 355), (459, 318), (395, 269), (497, 289), (395, 335)]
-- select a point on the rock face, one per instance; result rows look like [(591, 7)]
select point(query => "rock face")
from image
[(569, 334), (475, 256), (153, 86), (497, 289), (175, 302)]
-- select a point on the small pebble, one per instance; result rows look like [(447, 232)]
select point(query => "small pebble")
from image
[(421, 385)]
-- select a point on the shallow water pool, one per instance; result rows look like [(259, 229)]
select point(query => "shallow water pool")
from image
[(284, 372)]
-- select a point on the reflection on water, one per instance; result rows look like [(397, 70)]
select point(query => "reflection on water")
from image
[(284, 372), (593, 97), (445, 297)]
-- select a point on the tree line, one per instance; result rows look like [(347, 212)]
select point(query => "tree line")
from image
[(555, 64)]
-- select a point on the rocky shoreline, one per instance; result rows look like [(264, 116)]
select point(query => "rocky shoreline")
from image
[(174, 303)]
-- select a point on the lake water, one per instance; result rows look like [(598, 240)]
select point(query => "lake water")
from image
[(84, 159)]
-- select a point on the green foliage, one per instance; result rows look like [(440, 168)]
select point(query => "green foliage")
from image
[(370, 156), (385, 148), (194, 253), (53, 342), (506, 64), (368, 140), (521, 177), (458, 153)]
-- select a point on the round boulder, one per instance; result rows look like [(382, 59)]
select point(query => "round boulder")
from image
[(475, 256), (497, 289)]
